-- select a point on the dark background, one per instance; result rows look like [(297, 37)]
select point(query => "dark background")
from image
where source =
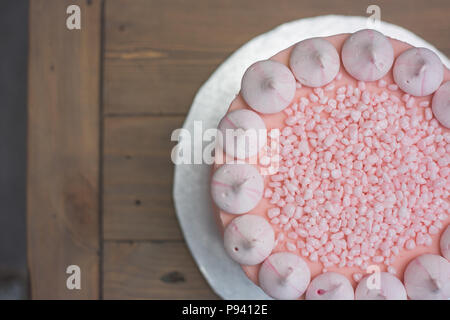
[(13, 111)]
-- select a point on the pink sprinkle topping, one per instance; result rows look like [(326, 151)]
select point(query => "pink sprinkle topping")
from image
[(393, 87), (363, 176)]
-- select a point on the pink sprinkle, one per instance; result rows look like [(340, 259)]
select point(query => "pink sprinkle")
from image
[(290, 246), (381, 83), (288, 111), (355, 115), (289, 210), (378, 259), (410, 244), (313, 97), (410, 102), (341, 90), (283, 219), (428, 114), (332, 103), (273, 212), (433, 230), (392, 270), (301, 244), (366, 97), (268, 193), (346, 182), (302, 232), (292, 235), (428, 240), (313, 257), (393, 87)]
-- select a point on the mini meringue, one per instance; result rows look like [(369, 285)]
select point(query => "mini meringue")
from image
[(237, 188), (427, 277), (314, 62), (268, 86), (284, 276), (418, 71), (249, 239), (367, 55)]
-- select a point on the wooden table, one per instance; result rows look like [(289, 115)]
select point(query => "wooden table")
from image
[(103, 102)]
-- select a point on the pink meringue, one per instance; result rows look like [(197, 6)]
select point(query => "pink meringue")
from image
[(249, 239), (237, 188), (445, 243), (330, 286), (440, 105), (390, 288), (314, 62), (418, 71), (243, 133), (367, 55), (268, 86), (284, 276), (427, 277)]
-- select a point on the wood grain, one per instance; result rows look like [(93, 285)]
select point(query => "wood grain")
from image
[(63, 149), (145, 256), (158, 53), (152, 270), (138, 177)]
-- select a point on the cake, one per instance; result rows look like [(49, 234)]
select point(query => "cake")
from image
[(332, 172)]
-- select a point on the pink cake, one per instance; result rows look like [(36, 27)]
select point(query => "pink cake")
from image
[(362, 180)]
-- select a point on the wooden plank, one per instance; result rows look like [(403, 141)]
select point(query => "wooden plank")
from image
[(152, 270), (63, 149), (138, 176), (158, 52)]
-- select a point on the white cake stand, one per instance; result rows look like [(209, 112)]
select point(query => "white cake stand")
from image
[(191, 182)]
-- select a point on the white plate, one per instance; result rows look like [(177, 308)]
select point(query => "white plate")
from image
[(191, 182)]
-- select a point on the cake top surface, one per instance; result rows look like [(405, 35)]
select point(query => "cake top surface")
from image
[(361, 164)]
